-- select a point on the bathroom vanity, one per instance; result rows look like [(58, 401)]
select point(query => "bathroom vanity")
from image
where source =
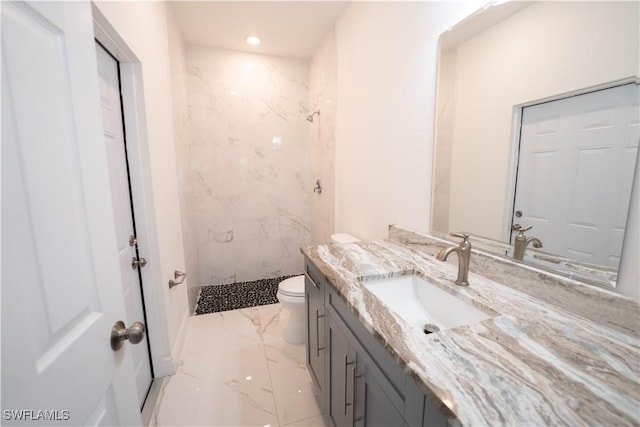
[(528, 363), (357, 379)]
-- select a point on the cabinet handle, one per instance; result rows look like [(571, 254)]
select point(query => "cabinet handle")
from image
[(318, 348), (346, 367), (313, 282), (355, 394)]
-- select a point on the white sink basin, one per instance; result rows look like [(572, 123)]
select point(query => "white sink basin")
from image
[(419, 302)]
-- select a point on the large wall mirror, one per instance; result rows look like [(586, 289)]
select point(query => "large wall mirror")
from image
[(537, 125)]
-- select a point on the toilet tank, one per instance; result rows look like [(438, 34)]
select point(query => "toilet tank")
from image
[(343, 238)]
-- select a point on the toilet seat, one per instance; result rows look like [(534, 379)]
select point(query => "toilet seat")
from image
[(292, 287)]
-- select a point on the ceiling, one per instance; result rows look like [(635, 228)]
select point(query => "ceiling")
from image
[(293, 29)]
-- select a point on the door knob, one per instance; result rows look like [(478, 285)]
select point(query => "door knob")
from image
[(119, 334), (138, 263)]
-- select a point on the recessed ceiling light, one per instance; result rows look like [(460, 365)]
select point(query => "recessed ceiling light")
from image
[(253, 40)]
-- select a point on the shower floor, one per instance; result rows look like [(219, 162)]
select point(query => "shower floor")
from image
[(215, 298)]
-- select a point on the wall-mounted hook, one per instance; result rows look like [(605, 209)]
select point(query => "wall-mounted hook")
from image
[(179, 278), (310, 116), (318, 187)]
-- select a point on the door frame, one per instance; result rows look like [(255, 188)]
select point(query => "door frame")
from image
[(133, 112), (514, 154)]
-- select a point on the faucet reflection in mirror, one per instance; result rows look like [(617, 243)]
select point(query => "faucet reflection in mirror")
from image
[(486, 61), (522, 241)]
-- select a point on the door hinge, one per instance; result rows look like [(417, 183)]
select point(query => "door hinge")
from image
[(138, 262)]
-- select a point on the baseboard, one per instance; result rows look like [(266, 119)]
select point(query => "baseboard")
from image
[(195, 306), (181, 336), (152, 400), (168, 365)]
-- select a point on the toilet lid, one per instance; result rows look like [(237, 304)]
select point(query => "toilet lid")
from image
[(293, 286), (343, 238)]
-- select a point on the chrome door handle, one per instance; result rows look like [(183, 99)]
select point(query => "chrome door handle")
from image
[(138, 262), (119, 334), (179, 278), (523, 228)]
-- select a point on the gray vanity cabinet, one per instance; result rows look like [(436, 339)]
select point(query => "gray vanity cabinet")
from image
[(314, 291), (359, 383), (359, 394)]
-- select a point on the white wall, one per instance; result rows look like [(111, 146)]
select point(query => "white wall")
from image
[(547, 49), (178, 64), (142, 26), (250, 163), (386, 90), (322, 92)]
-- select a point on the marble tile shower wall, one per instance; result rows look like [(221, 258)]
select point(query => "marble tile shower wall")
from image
[(250, 163), (323, 94)]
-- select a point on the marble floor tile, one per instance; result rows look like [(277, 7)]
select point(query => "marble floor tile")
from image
[(224, 387), (292, 385), (228, 329), (316, 421), (236, 370), (273, 320)]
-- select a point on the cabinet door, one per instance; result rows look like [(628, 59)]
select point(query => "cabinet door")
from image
[(377, 403), (315, 331), (341, 364), (373, 406)]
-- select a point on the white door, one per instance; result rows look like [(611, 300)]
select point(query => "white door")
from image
[(61, 290), (577, 158), (123, 211)]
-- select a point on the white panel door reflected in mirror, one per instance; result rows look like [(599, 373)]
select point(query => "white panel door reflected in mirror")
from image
[(576, 162)]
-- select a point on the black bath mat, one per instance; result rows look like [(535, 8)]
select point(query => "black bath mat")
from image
[(215, 298)]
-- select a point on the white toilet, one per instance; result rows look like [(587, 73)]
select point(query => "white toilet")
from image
[(291, 296)]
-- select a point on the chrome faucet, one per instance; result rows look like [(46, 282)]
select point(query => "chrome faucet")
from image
[(464, 254), (521, 241)]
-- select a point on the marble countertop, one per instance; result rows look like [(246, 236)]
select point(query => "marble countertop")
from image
[(530, 364)]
